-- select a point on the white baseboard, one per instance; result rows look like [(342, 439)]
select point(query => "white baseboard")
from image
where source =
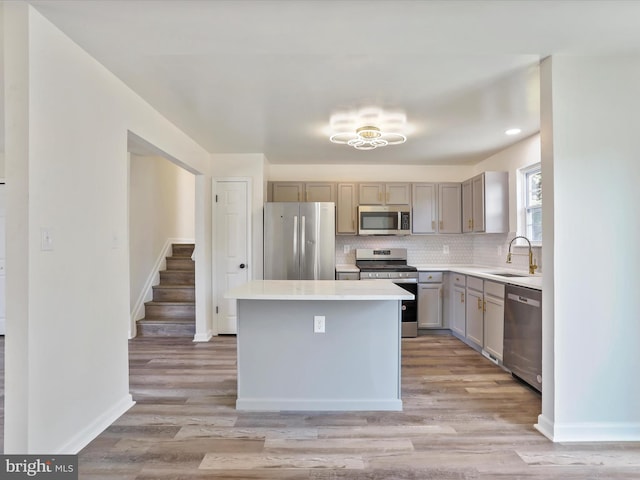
[(203, 337), (146, 294), (84, 437), (588, 431)]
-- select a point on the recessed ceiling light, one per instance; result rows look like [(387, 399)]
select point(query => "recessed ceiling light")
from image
[(513, 131)]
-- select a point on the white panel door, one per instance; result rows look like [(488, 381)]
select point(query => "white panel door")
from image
[(2, 260), (232, 248)]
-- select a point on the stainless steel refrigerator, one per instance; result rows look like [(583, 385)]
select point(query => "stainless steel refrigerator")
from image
[(299, 241)]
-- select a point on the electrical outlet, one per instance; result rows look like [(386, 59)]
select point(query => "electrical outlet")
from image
[(346, 249), (445, 249), (318, 324)]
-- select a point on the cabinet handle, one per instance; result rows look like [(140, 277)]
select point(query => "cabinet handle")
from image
[(484, 306), (472, 224), (461, 297), (469, 224), (433, 224), (441, 225), (479, 304)]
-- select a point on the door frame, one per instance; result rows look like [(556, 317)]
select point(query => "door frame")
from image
[(214, 213)]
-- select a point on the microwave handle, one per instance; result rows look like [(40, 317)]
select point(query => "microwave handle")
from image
[(399, 220)]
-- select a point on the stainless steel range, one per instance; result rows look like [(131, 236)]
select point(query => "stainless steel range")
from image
[(391, 264)]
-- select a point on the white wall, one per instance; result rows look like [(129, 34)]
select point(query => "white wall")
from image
[(1, 165), (161, 211), (66, 169), (370, 173), (594, 157)]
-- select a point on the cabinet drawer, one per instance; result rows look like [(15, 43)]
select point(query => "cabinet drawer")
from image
[(429, 277), (494, 289), (347, 276), (475, 283), (459, 279)]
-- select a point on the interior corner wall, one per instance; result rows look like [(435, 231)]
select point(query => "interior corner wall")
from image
[(1, 165), (594, 102), (161, 210), (68, 304)]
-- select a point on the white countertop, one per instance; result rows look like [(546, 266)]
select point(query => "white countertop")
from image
[(319, 290), (347, 268), (488, 273)]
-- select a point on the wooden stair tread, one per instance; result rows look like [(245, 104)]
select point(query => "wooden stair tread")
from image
[(180, 320), (178, 303)]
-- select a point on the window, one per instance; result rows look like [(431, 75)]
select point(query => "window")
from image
[(531, 216)]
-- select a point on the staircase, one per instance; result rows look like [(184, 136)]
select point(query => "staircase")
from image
[(172, 312)]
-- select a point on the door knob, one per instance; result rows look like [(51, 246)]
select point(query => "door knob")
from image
[(242, 265)]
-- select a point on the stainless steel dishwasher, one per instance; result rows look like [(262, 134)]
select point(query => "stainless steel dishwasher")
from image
[(523, 334)]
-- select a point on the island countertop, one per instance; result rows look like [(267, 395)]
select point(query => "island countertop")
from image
[(319, 290)]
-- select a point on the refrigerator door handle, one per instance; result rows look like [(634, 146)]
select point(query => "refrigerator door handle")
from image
[(303, 250), (295, 237)]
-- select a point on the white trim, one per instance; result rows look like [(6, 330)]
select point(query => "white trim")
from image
[(146, 294), (589, 431), (203, 337), (86, 435), (249, 200), (520, 204)]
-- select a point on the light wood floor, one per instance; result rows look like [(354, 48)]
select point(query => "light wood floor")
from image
[(463, 418)]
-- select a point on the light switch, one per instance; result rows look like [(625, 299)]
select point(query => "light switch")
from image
[(46, 239), (445, 249)]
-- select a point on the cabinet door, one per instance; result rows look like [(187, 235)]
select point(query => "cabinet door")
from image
[(467, 206), (397, 194), (475, 323), (429, 305), (320, 192), (287, 191), (347, 209), (458, 320), (477, 208), (371, 193), (493, 325), (424, 208), (449, 207)]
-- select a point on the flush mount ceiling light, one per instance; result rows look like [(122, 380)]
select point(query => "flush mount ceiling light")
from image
[(513, 131), (368, 128)]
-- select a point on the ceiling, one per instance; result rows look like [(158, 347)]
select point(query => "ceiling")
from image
[(248, 76)]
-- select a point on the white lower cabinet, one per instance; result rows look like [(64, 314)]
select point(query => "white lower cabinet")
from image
[(485, 315), (458, 286), (493, 318), (475, 315), (430, 300)]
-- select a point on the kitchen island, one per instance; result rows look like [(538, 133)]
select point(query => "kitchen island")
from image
[(285, 363)]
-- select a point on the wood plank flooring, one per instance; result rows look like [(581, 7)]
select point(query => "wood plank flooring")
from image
[(463, 418)]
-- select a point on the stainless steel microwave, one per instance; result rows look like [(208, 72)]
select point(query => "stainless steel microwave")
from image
[(384, 220)]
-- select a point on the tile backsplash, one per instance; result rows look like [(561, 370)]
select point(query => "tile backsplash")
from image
[(481, 249)]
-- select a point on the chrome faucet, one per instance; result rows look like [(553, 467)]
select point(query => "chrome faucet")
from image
[(532, 265)]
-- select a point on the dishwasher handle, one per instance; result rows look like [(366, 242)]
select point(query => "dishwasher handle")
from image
[(520, 299)]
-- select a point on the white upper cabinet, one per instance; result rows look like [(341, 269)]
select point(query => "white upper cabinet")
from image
[(449, 213), (424, 207), (347, 209), (485, 203), (436, 207), (384, 193), (302, 192), (320, 192), (287, 191)]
